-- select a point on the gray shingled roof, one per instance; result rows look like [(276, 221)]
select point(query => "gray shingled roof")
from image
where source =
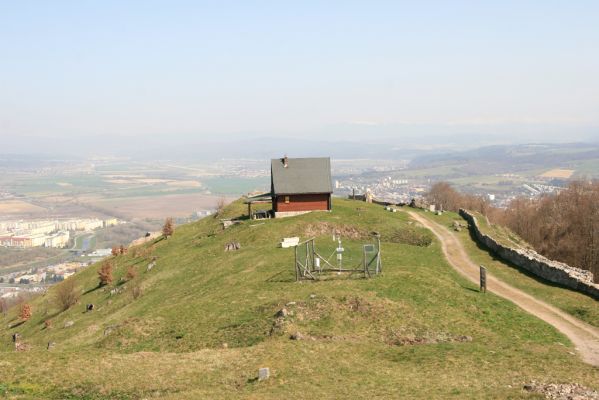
[(302, 175)]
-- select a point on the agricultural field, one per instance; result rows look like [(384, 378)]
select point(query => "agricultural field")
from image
[(154, 207), (558, 173), (10, 208)]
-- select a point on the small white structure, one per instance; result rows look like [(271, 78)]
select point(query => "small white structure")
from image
[(289, 242)]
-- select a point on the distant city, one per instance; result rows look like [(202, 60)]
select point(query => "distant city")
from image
[(59, 215)]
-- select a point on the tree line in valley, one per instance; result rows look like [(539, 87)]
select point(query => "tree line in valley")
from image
[(563, 226)]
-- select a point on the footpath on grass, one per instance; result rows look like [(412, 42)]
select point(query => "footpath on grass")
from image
[(584, 336)]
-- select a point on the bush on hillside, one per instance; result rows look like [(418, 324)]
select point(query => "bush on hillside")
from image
[(3, 306), (131, 273), (66, 294), (220, 206), (410, 236), (136, 290), (25, 313), (105, 273), (169, 227)]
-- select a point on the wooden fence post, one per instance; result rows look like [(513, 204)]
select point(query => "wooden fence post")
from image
[(483, 279)]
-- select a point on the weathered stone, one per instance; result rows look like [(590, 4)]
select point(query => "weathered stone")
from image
[(108, 330), (50, 345), (263, 374), (68, 324), (296, 336), (282, 313), (564, 391)]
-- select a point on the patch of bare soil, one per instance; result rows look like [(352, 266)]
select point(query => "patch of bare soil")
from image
[(410, 236), (401, 337), (326, 228)]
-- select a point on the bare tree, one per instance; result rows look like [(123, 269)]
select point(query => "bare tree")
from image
[(220, 206), (169, 228)]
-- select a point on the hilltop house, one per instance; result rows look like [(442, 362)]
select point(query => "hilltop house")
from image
[(300, 185)]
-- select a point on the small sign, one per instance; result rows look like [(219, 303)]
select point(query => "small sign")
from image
[(369, 248), (483, 279)]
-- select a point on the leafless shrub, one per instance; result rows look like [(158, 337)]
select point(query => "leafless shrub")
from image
[(66, 294), (25, 312), (105, 273), (3, 306), (136, 290), (131, 273), (220, 206), (169, 228)]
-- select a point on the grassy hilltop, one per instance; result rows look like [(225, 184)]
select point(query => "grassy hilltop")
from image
[(206, 321)]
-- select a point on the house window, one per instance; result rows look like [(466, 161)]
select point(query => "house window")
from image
[(286, 199)]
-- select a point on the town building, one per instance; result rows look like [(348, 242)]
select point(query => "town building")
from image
[(27, 241), (58, 240)]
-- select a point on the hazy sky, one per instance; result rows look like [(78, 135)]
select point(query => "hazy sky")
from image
[(73, 69)]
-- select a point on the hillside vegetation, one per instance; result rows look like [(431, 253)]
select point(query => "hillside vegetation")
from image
[(575, 303), (202, 321), (561, 226)]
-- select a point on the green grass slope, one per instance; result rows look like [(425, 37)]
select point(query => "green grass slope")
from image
[(570, 301), (206, 321)]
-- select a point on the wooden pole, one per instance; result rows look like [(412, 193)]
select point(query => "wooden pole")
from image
[(379, 261), (366, 272), (296, 267), (483, 279)]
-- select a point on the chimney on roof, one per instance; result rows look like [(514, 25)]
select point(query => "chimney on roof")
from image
[(285, 161)]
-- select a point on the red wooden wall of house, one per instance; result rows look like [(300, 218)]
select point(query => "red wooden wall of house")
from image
[(303, 202)]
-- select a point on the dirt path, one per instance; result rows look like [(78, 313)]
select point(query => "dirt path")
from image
[(584, 336)]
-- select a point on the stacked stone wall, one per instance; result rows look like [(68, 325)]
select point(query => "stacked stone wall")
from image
[(531, 261)]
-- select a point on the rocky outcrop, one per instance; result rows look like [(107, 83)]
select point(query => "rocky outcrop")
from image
[(531, 261)]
